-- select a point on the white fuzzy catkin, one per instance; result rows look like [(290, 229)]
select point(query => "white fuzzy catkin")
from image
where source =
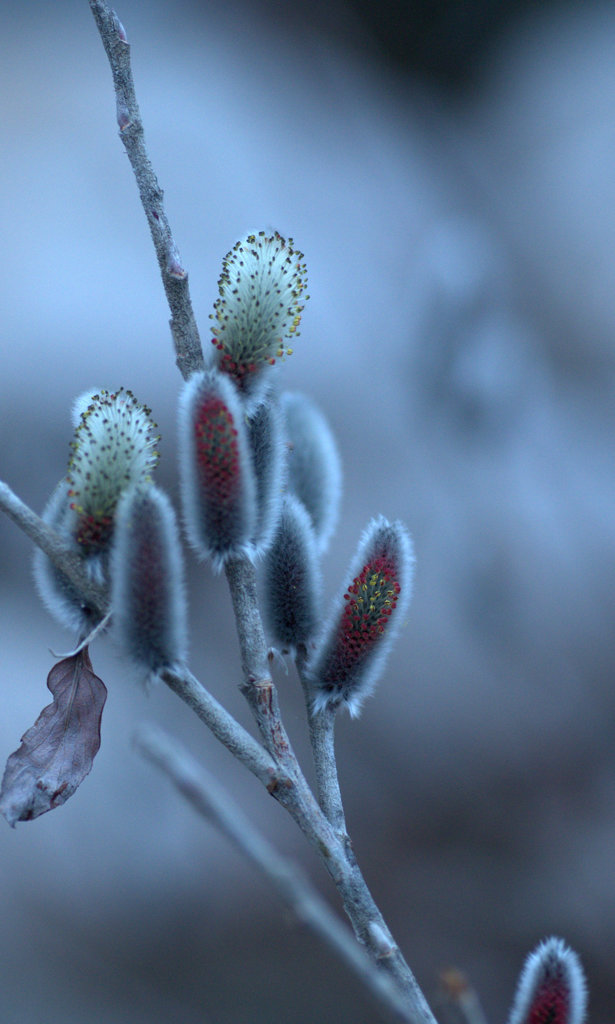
[(114, 448), (365, 618), (268, 457), (147, 591), (292, 583), (55, 589), (258, 309), (314, 467), (218, 485), (551, 988)]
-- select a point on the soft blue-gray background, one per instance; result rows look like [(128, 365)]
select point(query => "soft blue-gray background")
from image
[(460, 339)]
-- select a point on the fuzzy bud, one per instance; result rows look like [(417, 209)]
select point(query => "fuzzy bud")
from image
[(314, 467), (292, 578), (551, 988), (261, 299), (56, 591), (217, 474), (266, 443), (114, 449), (147, 594), (364, 621)]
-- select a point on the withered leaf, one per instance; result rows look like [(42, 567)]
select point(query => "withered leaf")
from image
[(57, 753)]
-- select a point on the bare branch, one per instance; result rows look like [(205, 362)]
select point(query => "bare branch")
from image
[(224, 727), (257, 686), (328, 839), (322, 737), (189, 353), (62, 556), (214, 803)]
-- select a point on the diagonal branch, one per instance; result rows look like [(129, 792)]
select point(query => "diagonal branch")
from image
[(225, 728), (327, 836), (189, 354), (282, 777), (62, 556), (214, 803)]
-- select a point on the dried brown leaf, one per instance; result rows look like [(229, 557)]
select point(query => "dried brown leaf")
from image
[(57, 752)]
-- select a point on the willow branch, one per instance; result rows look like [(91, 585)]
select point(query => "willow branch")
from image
[(257, 686), (214, 803), (225, 728), (189, 353), (330, 840), (322, 738), (61, 554), (286, 783)]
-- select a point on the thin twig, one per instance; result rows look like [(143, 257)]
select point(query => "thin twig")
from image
[(225, 728), (257, 686), (289, 788), (62, 556), (322, 738), (87, 639), (214, 803), (331, 842), (189, 353)]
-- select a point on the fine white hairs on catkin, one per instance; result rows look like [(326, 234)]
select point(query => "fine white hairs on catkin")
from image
[(365, 618), (114, 448), (147, 590), (218, 485), (267, 446), (314, 467), (56, 591), (261, 296), (551, 988), (82, 403), (292, 584)]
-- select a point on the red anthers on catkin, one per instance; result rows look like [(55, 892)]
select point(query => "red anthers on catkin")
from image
[(217, 451), (371, 598), (113, 449), (352, 650), (218, 485), (551, 988)]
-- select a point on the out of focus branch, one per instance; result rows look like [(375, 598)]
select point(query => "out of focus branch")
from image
[(213, 802), (185, 333), (457, 1002)]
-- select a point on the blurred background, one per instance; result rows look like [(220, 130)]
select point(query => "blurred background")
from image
[(447, 169)]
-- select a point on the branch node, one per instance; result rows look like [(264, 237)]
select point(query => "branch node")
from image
[(119, 28), (381, 941)]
